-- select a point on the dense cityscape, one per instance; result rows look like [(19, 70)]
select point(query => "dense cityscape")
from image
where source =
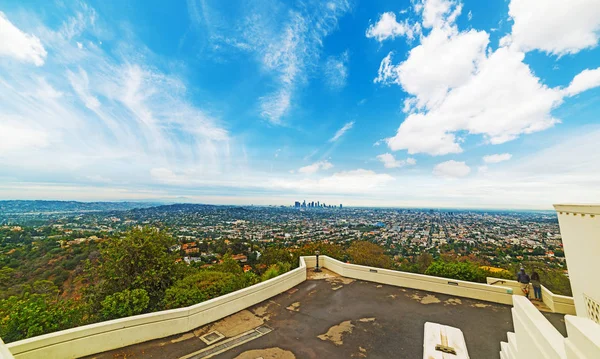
[(501, 237)]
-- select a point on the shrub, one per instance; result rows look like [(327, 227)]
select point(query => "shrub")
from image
[(124, 304), (202, 286), (467, 271), (369, 254), (37, 314)]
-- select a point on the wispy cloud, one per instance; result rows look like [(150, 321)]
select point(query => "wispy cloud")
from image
[(336, 71), (315, 167), (287, 45), (388, 28), (342, 131), (497, 158), (20, 45), (451, 169), (389, 161), (95, 111)]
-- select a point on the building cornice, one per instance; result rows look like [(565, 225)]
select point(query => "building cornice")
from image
[(578, 209)]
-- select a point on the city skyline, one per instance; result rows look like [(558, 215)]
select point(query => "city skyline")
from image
[(429, 103)]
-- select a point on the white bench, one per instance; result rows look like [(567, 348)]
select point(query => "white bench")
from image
[(444, 342)]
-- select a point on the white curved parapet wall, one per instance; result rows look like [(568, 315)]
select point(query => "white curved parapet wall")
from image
[(113, 334), (4, 352), (480, 291), (557, 303)]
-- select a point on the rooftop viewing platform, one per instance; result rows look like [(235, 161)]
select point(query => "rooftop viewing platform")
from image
[(329, 316), (349, 310)]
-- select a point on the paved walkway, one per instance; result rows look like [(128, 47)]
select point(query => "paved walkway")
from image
[(337, 317)]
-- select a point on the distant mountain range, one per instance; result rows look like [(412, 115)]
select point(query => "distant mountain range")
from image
[(38, 206)]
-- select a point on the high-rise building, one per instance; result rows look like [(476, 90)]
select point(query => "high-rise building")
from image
[(340, 206)]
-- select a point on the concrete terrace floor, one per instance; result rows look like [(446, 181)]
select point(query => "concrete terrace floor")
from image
[(335, 317)]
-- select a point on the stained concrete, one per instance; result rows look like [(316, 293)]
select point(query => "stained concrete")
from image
[(368, 320)]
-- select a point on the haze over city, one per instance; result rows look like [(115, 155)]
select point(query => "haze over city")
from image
[(392, 103)]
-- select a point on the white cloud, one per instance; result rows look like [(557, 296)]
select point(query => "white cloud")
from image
[(275, 105), (555, 26), (387, 27), (342, 131), (336, 71), (458, 84), (315, 167), (340, 182), (389, 161), (438, 13), (444, 60), (165, 175), (19, 45), (16, 136), (497, 158), (585, 80), (80, 83), (451, 169)]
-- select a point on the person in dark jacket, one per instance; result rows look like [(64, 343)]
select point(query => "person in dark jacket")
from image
[(524, 280), (537, 286)]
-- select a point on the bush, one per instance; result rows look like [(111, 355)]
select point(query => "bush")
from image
[(369, 254), (467, 271), (275, 270), (328, 249), (37, 314), (125, 304), (202, 286)]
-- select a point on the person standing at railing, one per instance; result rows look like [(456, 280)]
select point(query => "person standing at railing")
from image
[(537, 287), (524, 280)]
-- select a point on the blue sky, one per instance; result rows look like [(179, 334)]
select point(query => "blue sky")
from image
[(371, 103)]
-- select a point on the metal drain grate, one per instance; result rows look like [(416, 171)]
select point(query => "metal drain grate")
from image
[(212, 337), (264, 330), (229, 343)]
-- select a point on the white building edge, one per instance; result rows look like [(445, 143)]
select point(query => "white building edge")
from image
[(534, 336)]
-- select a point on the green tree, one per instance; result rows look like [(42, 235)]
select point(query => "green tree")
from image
[(45, 287), (274, 270), (271, 272), (229, 265), (423, 261), (125, 304), (201, 286), (140, 259), (329, 249), (274, 255), (369, 254), (6, 277), (37, 314)]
